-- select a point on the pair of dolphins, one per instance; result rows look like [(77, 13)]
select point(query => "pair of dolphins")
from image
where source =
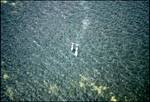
[(75, 48)]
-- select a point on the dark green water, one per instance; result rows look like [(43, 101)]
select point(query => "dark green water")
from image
[(36, 59)]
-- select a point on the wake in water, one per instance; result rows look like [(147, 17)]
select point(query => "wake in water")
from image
[(80, 36)]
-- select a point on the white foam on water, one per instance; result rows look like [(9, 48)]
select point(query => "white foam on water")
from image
[(85, 22)]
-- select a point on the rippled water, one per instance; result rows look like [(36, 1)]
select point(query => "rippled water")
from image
[(36, 59)]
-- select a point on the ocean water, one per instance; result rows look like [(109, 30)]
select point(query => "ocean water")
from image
[(37, 63)]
